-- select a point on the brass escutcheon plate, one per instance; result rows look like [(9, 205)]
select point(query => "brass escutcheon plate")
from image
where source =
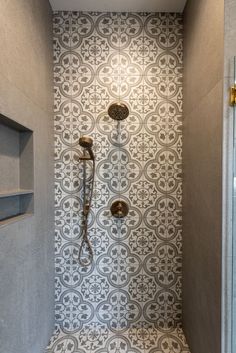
[(119, 209)]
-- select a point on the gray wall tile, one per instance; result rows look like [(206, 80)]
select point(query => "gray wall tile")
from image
[(98, 59), (26, 255), (202, 174)]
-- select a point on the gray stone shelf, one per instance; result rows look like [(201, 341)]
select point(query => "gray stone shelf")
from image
[(15, 193)]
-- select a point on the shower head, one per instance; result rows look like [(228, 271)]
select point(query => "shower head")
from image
[(118, 111), (87, 143)]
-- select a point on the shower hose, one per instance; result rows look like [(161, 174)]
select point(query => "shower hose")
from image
[(86, 260)]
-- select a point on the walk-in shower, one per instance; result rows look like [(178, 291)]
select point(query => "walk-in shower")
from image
[(125, 110), (115, 282)]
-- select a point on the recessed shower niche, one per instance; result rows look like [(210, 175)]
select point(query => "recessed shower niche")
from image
[(16, 171)]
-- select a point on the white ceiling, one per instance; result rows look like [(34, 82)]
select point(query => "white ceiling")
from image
[(119, 5)]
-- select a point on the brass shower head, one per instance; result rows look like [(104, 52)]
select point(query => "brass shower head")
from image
[(118, 111), (86, 141)]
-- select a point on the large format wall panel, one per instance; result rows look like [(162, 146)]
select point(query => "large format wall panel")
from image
[(202, 166), (26, 246)]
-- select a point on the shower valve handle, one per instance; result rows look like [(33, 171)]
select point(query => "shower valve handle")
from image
[(119, 209)]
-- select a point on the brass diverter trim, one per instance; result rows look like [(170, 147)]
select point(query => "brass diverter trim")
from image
[(232, 98), (119, 209)]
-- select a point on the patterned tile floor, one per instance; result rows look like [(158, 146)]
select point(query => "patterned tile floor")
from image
[(104, 341)]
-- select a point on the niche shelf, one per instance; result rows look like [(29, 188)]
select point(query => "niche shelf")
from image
[(16, 171)]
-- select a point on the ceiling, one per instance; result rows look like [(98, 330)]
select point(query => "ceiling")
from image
[(119, 5)]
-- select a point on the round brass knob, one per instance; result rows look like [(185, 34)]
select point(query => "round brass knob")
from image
[(119, 209)]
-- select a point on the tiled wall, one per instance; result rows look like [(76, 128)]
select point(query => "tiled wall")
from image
[(27, 244), (135, 278)]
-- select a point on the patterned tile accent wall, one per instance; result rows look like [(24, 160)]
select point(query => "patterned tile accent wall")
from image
[(135, 278)]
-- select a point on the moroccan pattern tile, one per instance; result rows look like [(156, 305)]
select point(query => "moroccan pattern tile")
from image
[(129, 298), (97, 338)]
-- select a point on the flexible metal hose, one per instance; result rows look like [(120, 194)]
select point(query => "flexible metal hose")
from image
[(86, 211)]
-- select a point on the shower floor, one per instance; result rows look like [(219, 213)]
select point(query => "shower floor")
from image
[(132, 341)]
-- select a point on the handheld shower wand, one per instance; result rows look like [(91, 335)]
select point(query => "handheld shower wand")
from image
[(86, 142)]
